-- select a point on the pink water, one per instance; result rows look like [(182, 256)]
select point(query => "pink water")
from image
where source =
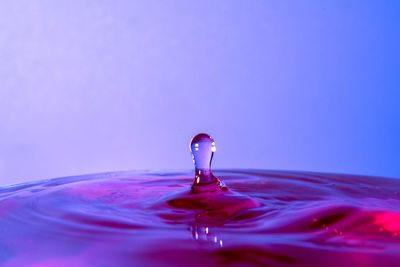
[(265, 218)]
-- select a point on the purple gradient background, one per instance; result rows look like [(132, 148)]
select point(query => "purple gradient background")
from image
[(93, 86)]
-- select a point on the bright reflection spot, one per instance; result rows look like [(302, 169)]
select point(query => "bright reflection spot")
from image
[(197, 179), (220, 243), (213, 147), (215, 239), (196, 145), (390, 221), (196, 236), (206, 230), (316, 222)]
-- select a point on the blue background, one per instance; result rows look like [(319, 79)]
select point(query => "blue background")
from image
[(92, 86)]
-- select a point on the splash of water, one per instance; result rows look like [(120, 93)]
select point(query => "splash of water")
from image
[(203, 147)]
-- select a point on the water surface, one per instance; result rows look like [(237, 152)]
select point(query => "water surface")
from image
[(133, 219)]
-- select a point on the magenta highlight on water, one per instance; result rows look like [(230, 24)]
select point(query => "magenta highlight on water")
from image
[(206, 218)]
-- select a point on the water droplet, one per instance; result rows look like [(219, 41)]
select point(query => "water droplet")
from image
[(203, 147)]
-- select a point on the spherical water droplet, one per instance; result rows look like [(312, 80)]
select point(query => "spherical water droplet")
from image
[(203, 147)]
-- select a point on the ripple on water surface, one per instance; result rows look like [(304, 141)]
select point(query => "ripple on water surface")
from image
[(131, 219)]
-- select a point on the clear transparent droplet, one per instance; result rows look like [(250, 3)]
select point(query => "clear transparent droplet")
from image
[(203, 147)]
